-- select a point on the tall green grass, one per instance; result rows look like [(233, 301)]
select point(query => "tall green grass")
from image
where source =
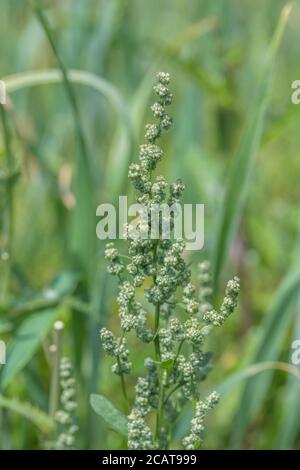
[(78, 78)]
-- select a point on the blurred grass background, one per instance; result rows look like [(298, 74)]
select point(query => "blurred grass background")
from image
[(62, 153)]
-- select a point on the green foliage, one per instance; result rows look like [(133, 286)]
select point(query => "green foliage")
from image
[(26, 341), (271, 334), (243, 163), (78, 79), (178, 364), (38, 417), (113, 418)]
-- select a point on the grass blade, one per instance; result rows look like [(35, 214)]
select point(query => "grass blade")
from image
[(242, 168), (256, 369), (271, 333), (6, 222), (237, 379), (25, 343), (81, 238), (38, 417), (31, 78), (289, 423), (69, 89)]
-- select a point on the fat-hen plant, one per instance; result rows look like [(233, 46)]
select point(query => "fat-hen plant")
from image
[(180, 317)]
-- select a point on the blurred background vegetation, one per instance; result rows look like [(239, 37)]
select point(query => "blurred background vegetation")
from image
[(66, 141)]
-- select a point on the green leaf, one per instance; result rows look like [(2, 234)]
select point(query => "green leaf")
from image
[(167, 365), (62, 286), (244, 161), (114, 418), (25, 343), (47, 76), (38, 417), (82, 238), (289, 422), (233, 381), (271, 335), (255, 369)]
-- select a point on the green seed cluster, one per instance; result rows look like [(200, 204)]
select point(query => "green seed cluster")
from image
[(193, 440), (205, 291), (117, 348), (146, 396), (139, 433), (142, 396), (180, 316), (115, 265), (64, 416), (229, 303)]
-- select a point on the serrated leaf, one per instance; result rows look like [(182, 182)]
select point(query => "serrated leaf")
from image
[(114, 418)]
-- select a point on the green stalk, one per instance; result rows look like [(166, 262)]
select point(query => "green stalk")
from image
[(178, 352), (158, 355), (123, 384), (193, 394), (243, 164), (156, 338), (8, 215), (157, 312), (160, 409), (172, 391), (54, 384), (68, 87)]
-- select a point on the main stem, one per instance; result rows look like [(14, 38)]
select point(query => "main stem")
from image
[(156, 338), (157, 312), (123, 384), (158, 357)]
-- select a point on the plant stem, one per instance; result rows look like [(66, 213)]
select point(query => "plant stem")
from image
[(54, 385), (172, 391), (156, 338), (8, 217), (178, 352), (157, 311), (193, 394), (160, 409), (158, 355), (68, 87), (123, 384)]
